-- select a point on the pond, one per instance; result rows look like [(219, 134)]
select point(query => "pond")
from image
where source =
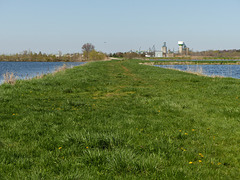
[(25, 70), (209, 70), (214, 60)]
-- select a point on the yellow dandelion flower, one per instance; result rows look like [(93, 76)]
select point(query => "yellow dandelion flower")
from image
[(200, 161), (60, 148), (200, 154), (186, 133), (219, 163), (180, 130), (193, 129), (183, 149), (190, 162), (87, 147)]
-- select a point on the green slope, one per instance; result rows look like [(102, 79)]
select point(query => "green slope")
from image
[(122, 120)]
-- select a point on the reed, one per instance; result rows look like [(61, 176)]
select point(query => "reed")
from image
[(61, 68), (9, 78), (40, 76)]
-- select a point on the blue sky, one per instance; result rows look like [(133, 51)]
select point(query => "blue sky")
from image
[(114, 25)]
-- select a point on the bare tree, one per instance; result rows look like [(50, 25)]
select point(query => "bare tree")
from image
[(87, 48)]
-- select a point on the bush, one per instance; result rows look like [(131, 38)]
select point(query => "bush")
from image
[(95, 55)]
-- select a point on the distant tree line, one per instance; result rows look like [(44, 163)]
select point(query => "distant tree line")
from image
[(128, 55), (234, 53), (87, 55), (43, 57)]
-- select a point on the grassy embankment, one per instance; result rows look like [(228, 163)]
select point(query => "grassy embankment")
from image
[(119, 119)]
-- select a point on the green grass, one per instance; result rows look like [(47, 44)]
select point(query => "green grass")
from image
[(120, 120)]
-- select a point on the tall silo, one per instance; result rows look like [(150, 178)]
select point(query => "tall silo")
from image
[(164, 49)]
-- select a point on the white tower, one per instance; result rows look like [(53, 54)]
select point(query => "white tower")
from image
[(180, 46)]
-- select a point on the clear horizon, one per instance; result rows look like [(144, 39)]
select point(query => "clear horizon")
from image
[(117, 26)]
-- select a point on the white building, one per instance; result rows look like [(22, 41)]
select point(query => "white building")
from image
[(158, 54)]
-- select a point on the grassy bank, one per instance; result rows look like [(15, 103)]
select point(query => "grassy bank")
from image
[(122, 120)]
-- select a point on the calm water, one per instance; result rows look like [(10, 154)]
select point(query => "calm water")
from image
[(209, 70), (31, 69), (195, 60)]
